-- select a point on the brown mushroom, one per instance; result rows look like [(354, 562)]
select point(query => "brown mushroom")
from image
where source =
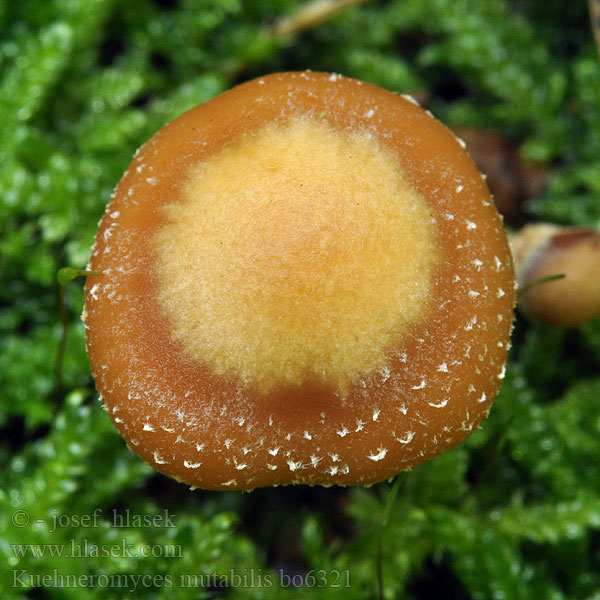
[(558, 273), (305, 281)]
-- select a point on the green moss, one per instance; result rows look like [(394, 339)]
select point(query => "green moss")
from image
[(512, 513)]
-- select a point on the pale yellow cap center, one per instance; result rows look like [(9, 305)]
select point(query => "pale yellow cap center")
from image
[(299, 252)]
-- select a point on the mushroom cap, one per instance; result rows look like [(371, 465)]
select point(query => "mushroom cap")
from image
[(543, 250), (305, 280)]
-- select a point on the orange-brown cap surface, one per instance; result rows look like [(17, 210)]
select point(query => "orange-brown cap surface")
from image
[(304, 281), (543, 250)]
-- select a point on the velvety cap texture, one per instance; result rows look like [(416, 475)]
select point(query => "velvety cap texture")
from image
[(304, 280)]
